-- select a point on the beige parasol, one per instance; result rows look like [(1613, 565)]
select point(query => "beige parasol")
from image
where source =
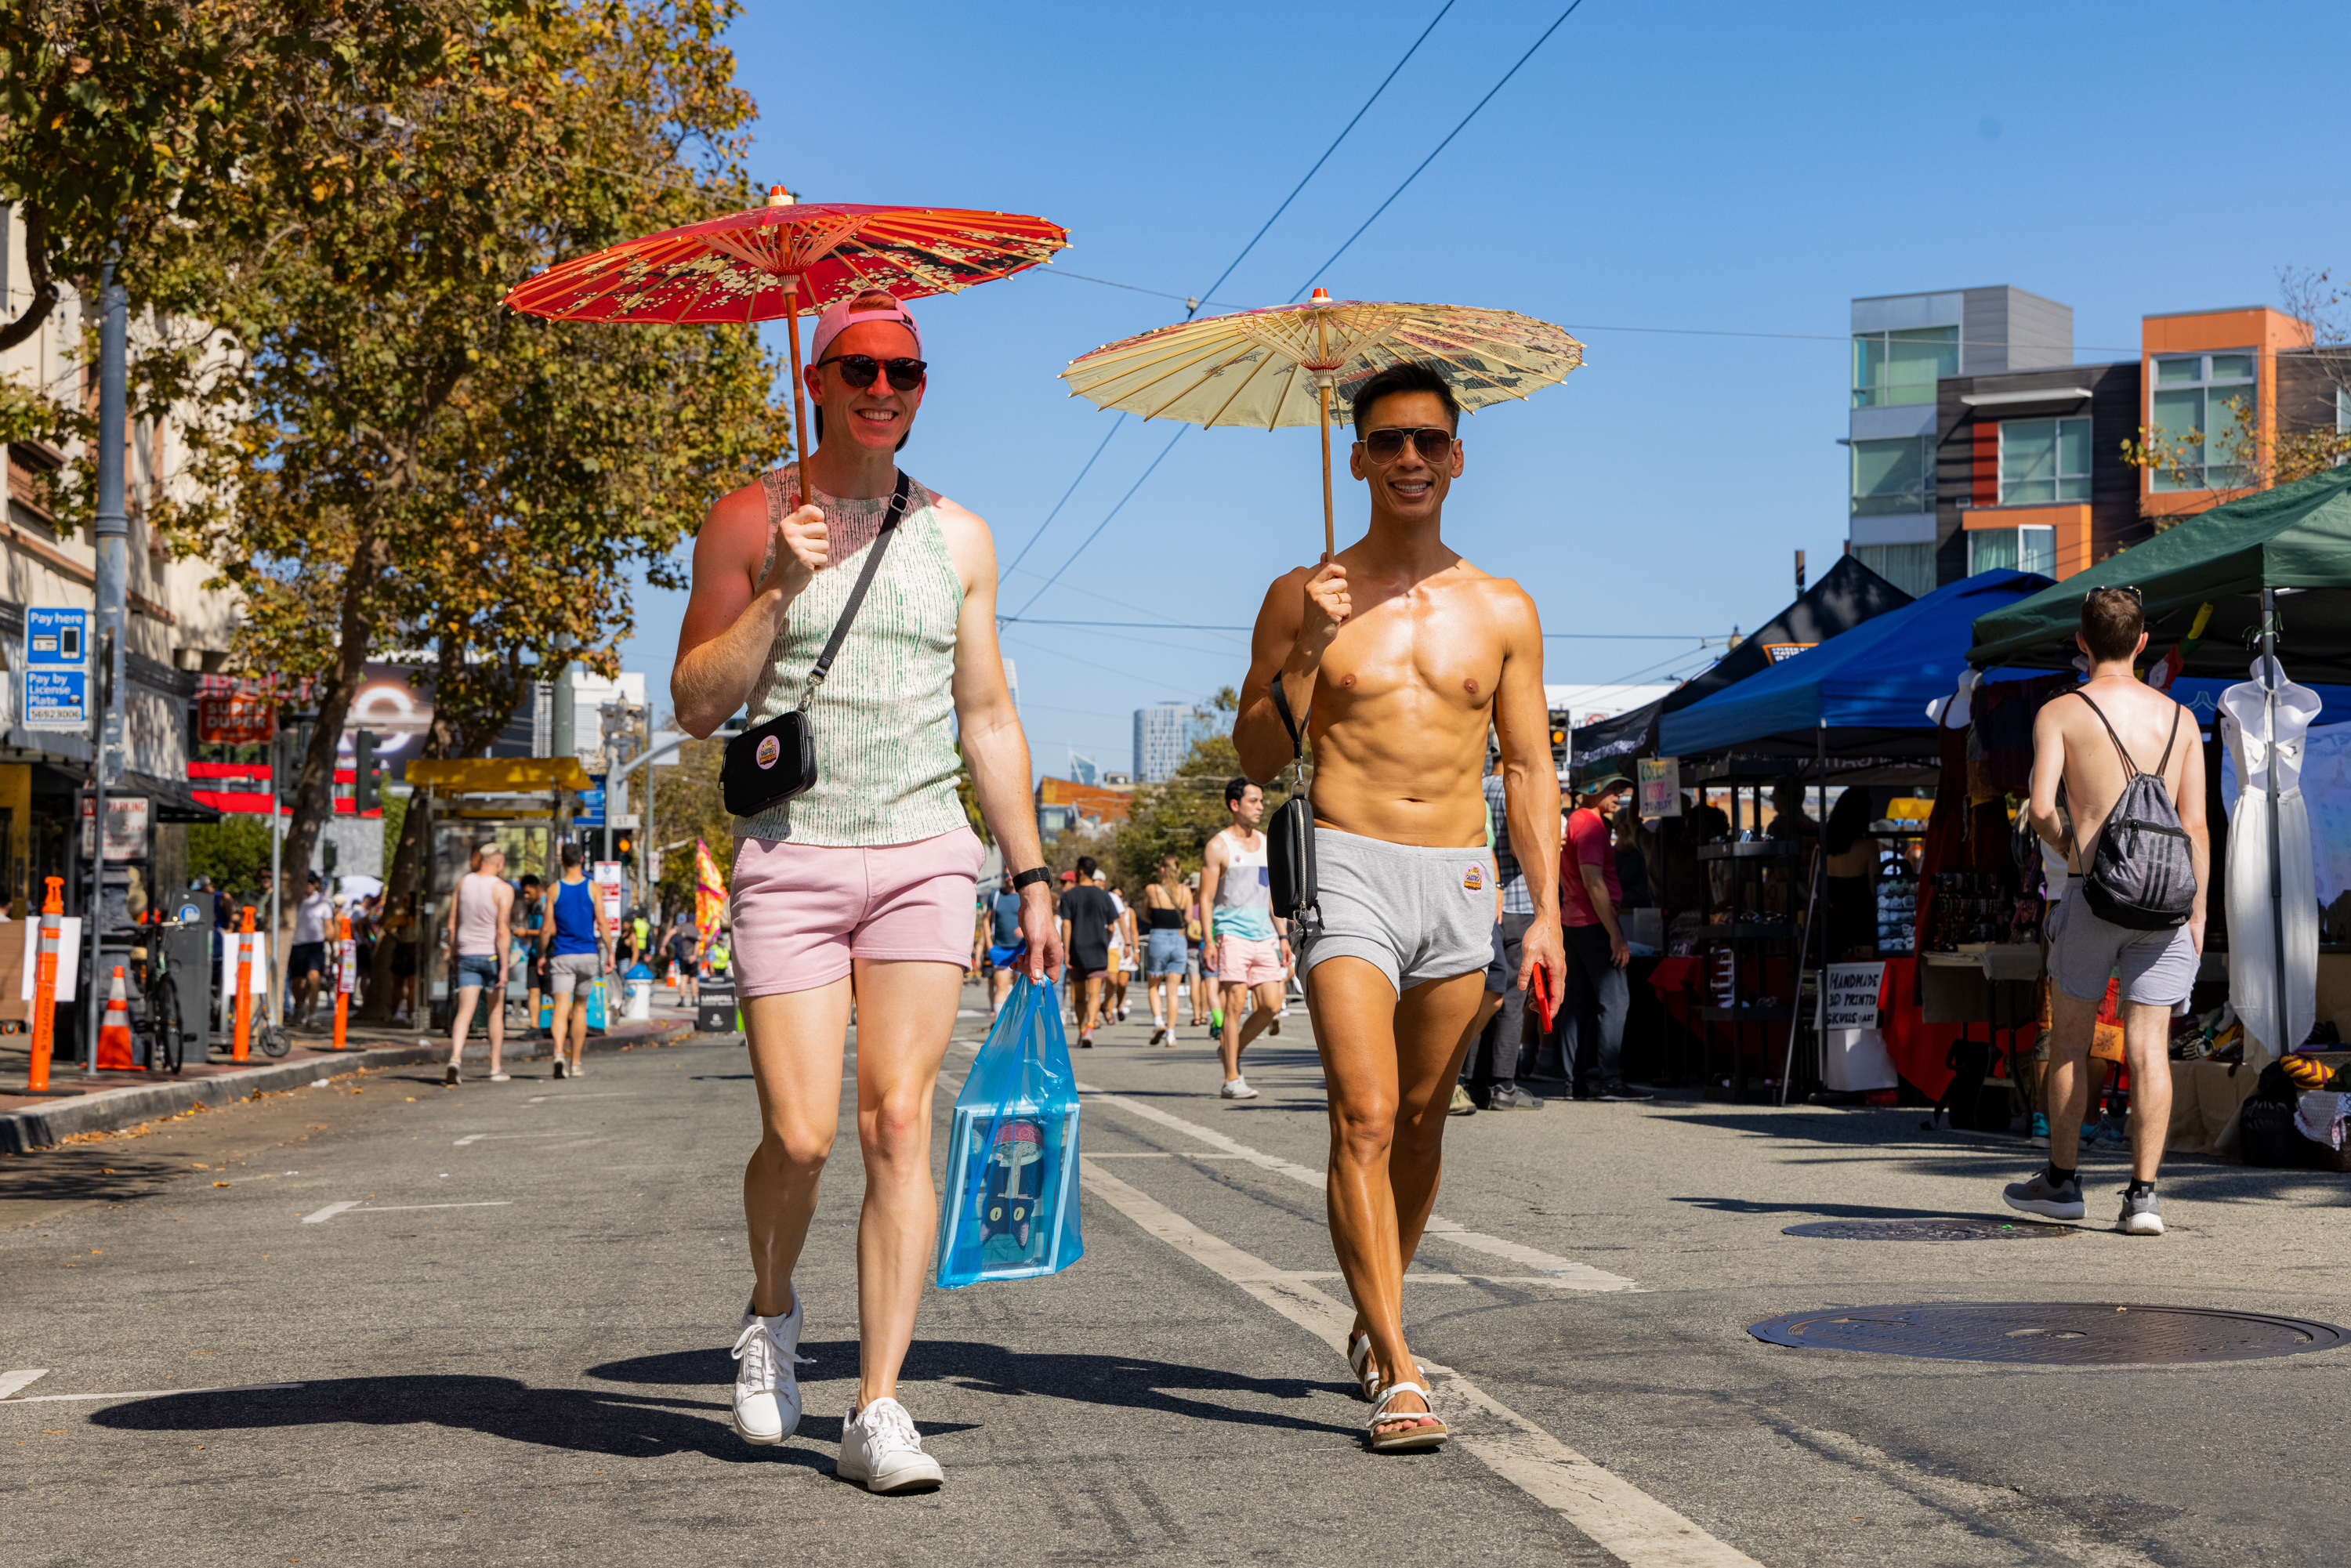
[(1280, 366)]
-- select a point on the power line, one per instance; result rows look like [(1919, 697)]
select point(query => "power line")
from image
[(1066, 493), (1194, 303), (1090, 539), (1326, 154), (1441, 146), (1199, 626)]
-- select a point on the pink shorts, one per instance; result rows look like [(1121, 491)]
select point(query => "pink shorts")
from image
[(802, 912), (1241, 962)]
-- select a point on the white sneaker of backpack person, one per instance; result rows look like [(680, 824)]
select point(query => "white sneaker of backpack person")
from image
[(879, 1448), (766, 1400)]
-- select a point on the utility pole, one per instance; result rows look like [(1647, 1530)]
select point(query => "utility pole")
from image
[(1799, 574), (564, 742), (113, 586)]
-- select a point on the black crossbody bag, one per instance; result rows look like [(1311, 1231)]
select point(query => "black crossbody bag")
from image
[(775, 761), (1289, 834)]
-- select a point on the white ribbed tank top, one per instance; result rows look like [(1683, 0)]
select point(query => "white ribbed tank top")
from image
[(885, 749)]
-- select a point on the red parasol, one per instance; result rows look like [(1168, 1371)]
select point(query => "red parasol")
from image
[(779, 260)]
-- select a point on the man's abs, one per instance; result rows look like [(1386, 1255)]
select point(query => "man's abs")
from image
[(1403, 767)]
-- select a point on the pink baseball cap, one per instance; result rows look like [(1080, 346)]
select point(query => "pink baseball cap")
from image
[(841, 313)]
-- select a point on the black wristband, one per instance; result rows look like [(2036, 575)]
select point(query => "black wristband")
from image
[(1033, 874)]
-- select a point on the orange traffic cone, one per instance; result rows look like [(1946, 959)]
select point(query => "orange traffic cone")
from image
[(114, 1048)]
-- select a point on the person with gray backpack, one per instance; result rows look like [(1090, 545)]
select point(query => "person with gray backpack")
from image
[(2137, 857)]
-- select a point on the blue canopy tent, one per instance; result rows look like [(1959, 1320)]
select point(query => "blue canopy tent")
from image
[(1864, 694)]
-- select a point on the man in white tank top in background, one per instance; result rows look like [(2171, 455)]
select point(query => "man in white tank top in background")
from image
[(863, 887), (478, 917), (1251, 952)]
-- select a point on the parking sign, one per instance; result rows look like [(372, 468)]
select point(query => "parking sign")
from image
[(57, 668)]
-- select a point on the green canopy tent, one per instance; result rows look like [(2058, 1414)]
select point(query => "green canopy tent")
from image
[(2292, 544), (2296, 537)]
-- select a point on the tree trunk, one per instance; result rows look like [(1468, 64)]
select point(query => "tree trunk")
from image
[(314, 789), (37, 272)]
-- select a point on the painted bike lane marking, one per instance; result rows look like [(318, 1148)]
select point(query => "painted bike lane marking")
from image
[(355, 1207), (1617, 1515), (1565, 1273)]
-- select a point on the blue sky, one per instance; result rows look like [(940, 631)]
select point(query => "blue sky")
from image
[(1710, 169)]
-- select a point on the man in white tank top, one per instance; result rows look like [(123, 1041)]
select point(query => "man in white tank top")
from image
[(864, 885), (1252, 951), (478, 917)]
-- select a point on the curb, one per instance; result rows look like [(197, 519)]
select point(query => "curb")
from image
[(110, 1110)]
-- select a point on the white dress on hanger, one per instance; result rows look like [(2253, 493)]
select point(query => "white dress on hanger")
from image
[(2253, 943)]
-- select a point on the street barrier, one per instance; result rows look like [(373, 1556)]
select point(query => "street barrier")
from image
[(241, 1043), (347, 970), (44, 986)]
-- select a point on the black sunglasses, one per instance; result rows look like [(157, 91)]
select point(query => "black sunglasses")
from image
[(859, 370), (1384, 446)]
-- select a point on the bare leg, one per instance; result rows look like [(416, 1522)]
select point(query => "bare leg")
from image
[(905, 1013), (2071, 1023), (462, 1021), (494, 998), (1231, 1042), (1090, 1008), (561, 1020), (2146, 1041), (579, 1029), (797, 1043), (1389, 1063), (1268, 1004)]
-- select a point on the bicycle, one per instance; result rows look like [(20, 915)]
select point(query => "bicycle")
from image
[(156, 1034)]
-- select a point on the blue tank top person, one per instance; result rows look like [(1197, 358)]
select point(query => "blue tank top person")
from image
[(575, 918)]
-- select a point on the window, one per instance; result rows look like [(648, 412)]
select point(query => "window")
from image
[(1910, 567), (2202, 408), (1891, 368), (2043, 460), (1894, 477), (2021, 549)]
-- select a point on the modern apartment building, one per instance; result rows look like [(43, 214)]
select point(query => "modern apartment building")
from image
[(1975, 442), (1164, 734)]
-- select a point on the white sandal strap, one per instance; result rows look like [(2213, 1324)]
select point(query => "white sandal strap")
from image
[(1380, 1409)]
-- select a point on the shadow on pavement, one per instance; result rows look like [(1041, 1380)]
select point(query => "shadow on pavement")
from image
[(1833, 1210), (1124, 1381), (587, 1421)]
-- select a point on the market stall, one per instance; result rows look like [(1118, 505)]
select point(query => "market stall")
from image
[(1857, 709), (2249, 594)]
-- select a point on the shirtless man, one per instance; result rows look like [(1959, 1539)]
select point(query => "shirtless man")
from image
[(2072, 744), (1397, 656)]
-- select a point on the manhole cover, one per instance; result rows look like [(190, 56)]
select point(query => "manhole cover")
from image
[(2071, 1332), (1926, 1230)]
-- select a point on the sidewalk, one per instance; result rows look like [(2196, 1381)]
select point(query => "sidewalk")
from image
[(105, 1102)]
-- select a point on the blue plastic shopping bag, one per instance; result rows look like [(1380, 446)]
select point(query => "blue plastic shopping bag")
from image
[(1010, 1210)]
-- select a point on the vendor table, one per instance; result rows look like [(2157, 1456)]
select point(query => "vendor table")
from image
[(1995, 984)]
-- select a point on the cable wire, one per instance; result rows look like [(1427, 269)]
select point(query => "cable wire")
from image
[(1113, 512), (1441, 146), (1325, 158)]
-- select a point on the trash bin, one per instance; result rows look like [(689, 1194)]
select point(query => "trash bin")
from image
[(717, 1013)]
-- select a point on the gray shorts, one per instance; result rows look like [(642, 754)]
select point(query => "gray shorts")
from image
[(570, 972), (2158, 967), (1416, 913)]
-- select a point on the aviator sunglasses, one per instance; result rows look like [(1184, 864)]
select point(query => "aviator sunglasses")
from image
[(859, 370), (1384, 446)]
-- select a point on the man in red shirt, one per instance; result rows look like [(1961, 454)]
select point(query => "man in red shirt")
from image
[(1597, 997)]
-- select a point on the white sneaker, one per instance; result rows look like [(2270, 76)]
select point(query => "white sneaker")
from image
[(766, 1376), (880, 1447), (1238, 1089)]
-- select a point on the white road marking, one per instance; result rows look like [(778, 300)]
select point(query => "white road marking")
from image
[(1429, 1277), (1618, 1516), (333, 1209), (12, 1381), (1567, 1274), (1161, 1155), (477, 1137), (148, 1393), (615, 1094)]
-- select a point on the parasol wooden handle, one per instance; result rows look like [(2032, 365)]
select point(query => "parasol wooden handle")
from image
[(799, 392), (1329, 537)]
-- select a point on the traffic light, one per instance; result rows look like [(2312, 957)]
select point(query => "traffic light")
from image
[(1559, 731), (624, 847), (365, 794)]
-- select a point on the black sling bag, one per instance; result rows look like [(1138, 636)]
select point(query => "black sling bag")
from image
[(1289, 834), (775, 761)]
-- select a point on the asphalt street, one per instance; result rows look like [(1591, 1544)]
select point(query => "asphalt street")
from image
[(384, 1321)]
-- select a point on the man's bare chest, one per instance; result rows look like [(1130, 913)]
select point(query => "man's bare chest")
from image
[(1418, 645)]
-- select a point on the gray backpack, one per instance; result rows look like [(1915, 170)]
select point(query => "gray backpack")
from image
[(2141, 878)]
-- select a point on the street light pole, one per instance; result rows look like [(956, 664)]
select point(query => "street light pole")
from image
[(113, 536)]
